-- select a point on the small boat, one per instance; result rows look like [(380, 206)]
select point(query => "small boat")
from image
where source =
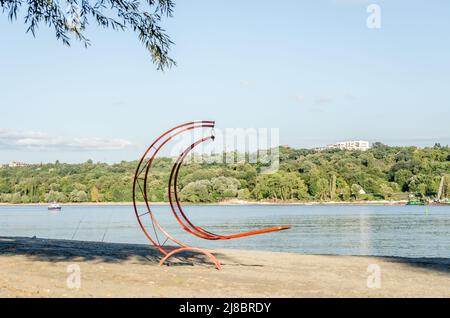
[(54, 207), (416, 202)]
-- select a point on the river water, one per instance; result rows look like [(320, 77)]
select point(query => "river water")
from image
[(409, 231)]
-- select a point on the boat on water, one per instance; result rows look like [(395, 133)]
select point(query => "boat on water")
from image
[(417, 199), (416, 202), (54, 207)]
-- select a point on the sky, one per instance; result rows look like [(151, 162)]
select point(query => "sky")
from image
[(312, 69)]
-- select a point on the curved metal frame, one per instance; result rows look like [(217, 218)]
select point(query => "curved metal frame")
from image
[(144, 167)]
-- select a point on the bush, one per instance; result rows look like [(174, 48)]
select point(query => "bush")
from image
[(244, 194)]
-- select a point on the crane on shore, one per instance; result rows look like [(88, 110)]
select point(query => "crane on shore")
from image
[(441, 195), (441, 188)]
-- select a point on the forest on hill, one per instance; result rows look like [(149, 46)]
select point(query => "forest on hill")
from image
[(383, 172)]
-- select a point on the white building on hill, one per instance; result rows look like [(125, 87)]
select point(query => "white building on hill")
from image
[(350, 145), (15, 164)]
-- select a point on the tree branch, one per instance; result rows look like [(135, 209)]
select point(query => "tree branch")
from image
[(70, 18)]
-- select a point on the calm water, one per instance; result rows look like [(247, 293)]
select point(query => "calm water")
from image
[(412, 231)]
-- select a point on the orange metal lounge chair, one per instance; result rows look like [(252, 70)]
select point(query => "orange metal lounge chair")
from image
[(152, 229)]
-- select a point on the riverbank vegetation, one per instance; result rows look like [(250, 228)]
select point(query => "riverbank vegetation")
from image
[(382, 172)]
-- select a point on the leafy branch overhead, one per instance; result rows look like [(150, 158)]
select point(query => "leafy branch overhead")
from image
[(70, 18)]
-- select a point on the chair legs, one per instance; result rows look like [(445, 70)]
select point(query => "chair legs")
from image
[(192, 249)]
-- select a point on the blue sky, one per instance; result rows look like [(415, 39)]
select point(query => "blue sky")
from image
[(313, 69)]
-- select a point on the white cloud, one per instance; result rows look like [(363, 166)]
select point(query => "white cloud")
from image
[(298, 98), (244, 82), (322, 100), (31, 140)]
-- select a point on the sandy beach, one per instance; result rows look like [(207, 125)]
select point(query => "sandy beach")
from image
[(33, 267)]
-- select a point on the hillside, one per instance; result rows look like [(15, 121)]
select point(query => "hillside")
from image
[(382, 172)]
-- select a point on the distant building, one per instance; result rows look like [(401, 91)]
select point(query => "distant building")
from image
[(15, 164), (349, 145)]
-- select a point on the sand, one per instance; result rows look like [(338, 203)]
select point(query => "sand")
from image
[(48, 268)]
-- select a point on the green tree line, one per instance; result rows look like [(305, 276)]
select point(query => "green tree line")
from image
[(382, 172)]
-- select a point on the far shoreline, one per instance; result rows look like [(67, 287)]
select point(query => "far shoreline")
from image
[(227, 203)]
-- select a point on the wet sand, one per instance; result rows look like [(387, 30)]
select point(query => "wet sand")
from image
[(41, 268)]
